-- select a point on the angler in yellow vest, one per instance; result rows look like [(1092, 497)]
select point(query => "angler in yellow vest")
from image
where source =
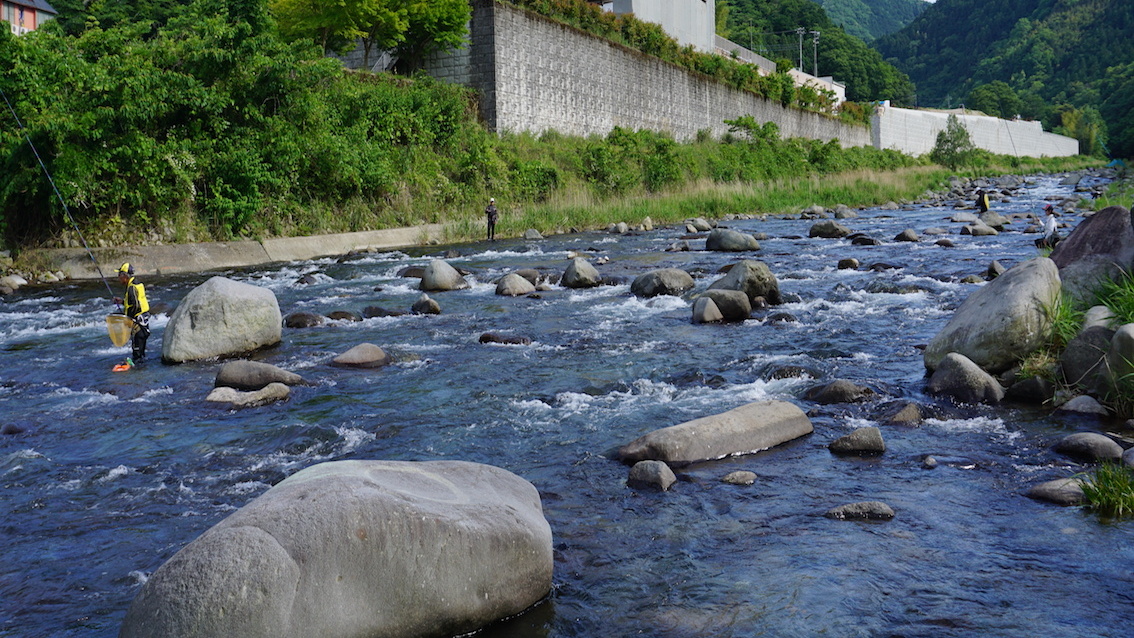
[(982, 201), (135, 306)]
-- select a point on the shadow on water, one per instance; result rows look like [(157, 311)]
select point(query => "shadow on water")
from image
[(105, 476)]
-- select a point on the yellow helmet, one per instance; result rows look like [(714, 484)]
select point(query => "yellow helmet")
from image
[(126, 269)]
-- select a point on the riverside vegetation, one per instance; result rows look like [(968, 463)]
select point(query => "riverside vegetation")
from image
[(213, 127)]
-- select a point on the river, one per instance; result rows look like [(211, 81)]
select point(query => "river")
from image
[(109, 474)]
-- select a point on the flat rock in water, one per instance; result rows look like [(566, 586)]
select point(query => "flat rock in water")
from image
[(253, 375), (359, 548), (268, 394), (863, 441), (1090, 447), (1066, 491), (364, 355), (739, 477), (862, 511), (749, 428)]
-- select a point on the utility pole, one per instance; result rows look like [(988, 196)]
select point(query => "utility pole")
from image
[(800, 31), (815, 53)]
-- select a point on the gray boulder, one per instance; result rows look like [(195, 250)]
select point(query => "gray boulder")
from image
[(1084, 357), (532, 234), (1002, 322), (839, 391), (268, 394), (425, 305), (651, 475), (1090, 447), (699, 225), (994, 220), (964, 381), (514, 285), (580, 274), (364, 355), (1084, 404), (908, 234), (905, 413), (664, 281), (862, 442), (1066, 491), (733, 305), (358, 548), (1101, 246), (862, 511), (440, 276), (848, 263), (726, 240), (1128, 458), (749, 428), (754, 279), (1119, 362), (979, 229), (253, 375), (828, 229), (739, 477), (705, 311), (1098, 316), (303, 320), (221, 318)]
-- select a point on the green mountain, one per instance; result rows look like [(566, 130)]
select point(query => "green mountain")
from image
[(872, 19), (770, 28), (1067, 62)]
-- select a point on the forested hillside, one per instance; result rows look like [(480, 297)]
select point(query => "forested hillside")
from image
[(1068, 62), (768, 27), (872, 19)]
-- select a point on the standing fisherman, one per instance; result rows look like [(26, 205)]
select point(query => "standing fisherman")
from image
[(137, 308), (982, 201), (491, 213)]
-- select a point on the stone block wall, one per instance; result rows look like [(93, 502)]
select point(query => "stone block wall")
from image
[(915, 133), (535, 74)]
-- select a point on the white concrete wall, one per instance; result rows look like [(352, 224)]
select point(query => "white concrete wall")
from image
[(914, 132), (687, 21)]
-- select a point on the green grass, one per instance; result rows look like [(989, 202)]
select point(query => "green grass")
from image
[(1117, 294), (1110, 491)]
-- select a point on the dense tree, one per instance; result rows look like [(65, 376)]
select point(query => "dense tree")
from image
[(769, 27), (954, 147), (1050, 52), (870, 19), (433, 25), (996, 99)]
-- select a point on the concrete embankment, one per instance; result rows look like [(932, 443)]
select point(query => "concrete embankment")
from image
[(182, 258)]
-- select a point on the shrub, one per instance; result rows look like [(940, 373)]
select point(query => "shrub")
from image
[(1110, 490)]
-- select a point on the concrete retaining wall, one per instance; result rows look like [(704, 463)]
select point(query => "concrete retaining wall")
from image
[(535, 74), (915, 133), (204, 257)]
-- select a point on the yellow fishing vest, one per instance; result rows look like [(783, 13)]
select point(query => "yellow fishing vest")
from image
[(135, 302)]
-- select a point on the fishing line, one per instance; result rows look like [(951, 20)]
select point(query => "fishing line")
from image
[(66, 211)]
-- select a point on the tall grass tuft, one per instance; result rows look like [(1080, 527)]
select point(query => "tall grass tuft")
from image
[(1117, 294), (1111, 490)]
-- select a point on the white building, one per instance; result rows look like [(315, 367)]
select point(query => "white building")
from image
[(687, 21)]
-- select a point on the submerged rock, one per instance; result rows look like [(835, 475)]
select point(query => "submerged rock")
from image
[(253, 375), (862, 511)]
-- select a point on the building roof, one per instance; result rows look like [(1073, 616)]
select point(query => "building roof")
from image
[(38, 5)]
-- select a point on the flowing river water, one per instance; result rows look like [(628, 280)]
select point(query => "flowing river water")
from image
[(109, 474)]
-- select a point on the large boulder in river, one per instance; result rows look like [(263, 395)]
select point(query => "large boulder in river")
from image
[(964, 381), (221, 318), (828, 229), (514, 285), (253, 375), (1101, 246), (754, 279), (1002, 322), (580, 274), (664, 281), (359, 548), (733, 305), (727, 240), (749, 428), (440, 276)]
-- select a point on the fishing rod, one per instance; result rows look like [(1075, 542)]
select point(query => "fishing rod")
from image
[(66, 211)]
